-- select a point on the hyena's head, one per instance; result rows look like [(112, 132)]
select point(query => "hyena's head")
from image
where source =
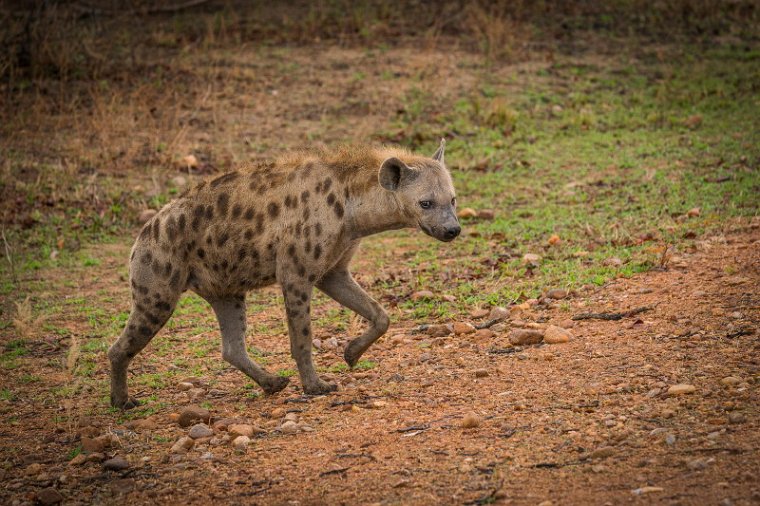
[(425, 194)]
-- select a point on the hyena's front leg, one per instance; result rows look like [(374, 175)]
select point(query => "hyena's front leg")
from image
[(298, 308), (341, 286)]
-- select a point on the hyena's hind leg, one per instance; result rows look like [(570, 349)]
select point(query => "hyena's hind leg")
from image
[(150, 311), (231, 316)]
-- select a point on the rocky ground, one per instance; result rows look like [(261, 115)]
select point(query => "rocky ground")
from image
[(539, 403)]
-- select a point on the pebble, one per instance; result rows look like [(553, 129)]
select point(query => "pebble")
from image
[(291, 416), (525, 336), (557, 294), (182, 445), (145, 215), (736, 417), (612, 262), (556, 335), (481, 373), (116, 464), (78, 460), (240, 443), (193, 414), (554, 239), (681, 389), (49, 495), (693, 212), (423, 294), (670, 439), (531, 259), (289, 427), (486, 214), (93, 445), (244, 429), (467, 212), (96, 457), (730, 381), (317, 343), (479, 313), (461, 328), (483, 334), (698, 464), (207, 456), (498, 312), (470, 421), (200, 430), (602, 453), (185, 385), (330, 343), (224, 423), (438, 330)]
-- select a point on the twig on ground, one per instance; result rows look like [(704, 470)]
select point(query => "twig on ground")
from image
[(335, 471), (611, 316), (501, 351), (413, 428), (489, 323)]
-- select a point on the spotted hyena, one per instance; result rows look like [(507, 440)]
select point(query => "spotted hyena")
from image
[(296, 222)]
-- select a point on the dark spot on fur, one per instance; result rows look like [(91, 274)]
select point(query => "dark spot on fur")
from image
[(155, 320), (147, 258), (222, 239), (260, 223), (291, 176), (312, 278), (302, 271), (167, 269), (145, 231), (318, 188), (208, 239), (171, 228), (248, 234), (273, 209), (237, 210), (307, 246), (241, 254), (201, 253), (225, 264), (304, 297), (249, 214), (182, 223), (156, 228), (339, 211), (292, 250), (317, 251), (326, 185), (305, 331), (145, 331), (305, 196), (209, 212), (318, 229), (226, 178), (346, 193), (299, 229), (174, 281), (163, 306), (223, 203), (331, 199), (155, 267)]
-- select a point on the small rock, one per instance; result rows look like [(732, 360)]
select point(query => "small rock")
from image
[(224, 423), (730, 381), (470, 421), (467, 212), (423, 294), (479, 313), (612, 262), (146, 215), (483, 334), (481, 373), (531, 260), (244, 429), (438, 330), (330, 343), (698, 464), (200, 430), (463, 328), (289, 427), (670, 439), (486, 214), (49, 495), (557, 294), (525, 336), (693, 212), (93, 445), (554, 240), (736, 417), (178, 181), (182, 445), (193, 414), (185, 385), (240, 443), (681, 389), (116, 464), (291, 416), (317, 343), (556, 335), (189, 162), (96, 457), (498, 312), (78, 460), (602, 453)]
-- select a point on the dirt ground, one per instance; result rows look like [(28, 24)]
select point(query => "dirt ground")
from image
[(585, 422)]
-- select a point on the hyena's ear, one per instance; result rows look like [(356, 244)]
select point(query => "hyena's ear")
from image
[(438, 156), (393, 173)]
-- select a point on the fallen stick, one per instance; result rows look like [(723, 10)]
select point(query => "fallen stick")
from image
[(489, 323), (611, 316)]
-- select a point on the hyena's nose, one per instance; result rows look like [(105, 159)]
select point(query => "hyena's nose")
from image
[(452, 232)]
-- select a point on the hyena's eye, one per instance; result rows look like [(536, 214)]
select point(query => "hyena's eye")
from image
[(454, 202), (426, 204)]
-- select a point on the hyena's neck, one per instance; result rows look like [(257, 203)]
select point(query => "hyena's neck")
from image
[(372, 212)]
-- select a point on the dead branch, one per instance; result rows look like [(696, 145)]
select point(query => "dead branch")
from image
[(611, 316), (489, 323)]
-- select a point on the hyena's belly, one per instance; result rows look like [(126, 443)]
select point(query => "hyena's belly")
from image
[(230, 259)]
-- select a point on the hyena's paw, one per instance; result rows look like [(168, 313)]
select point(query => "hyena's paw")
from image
[(275, 385), (352, 354), (129, 403), (319, 387)]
